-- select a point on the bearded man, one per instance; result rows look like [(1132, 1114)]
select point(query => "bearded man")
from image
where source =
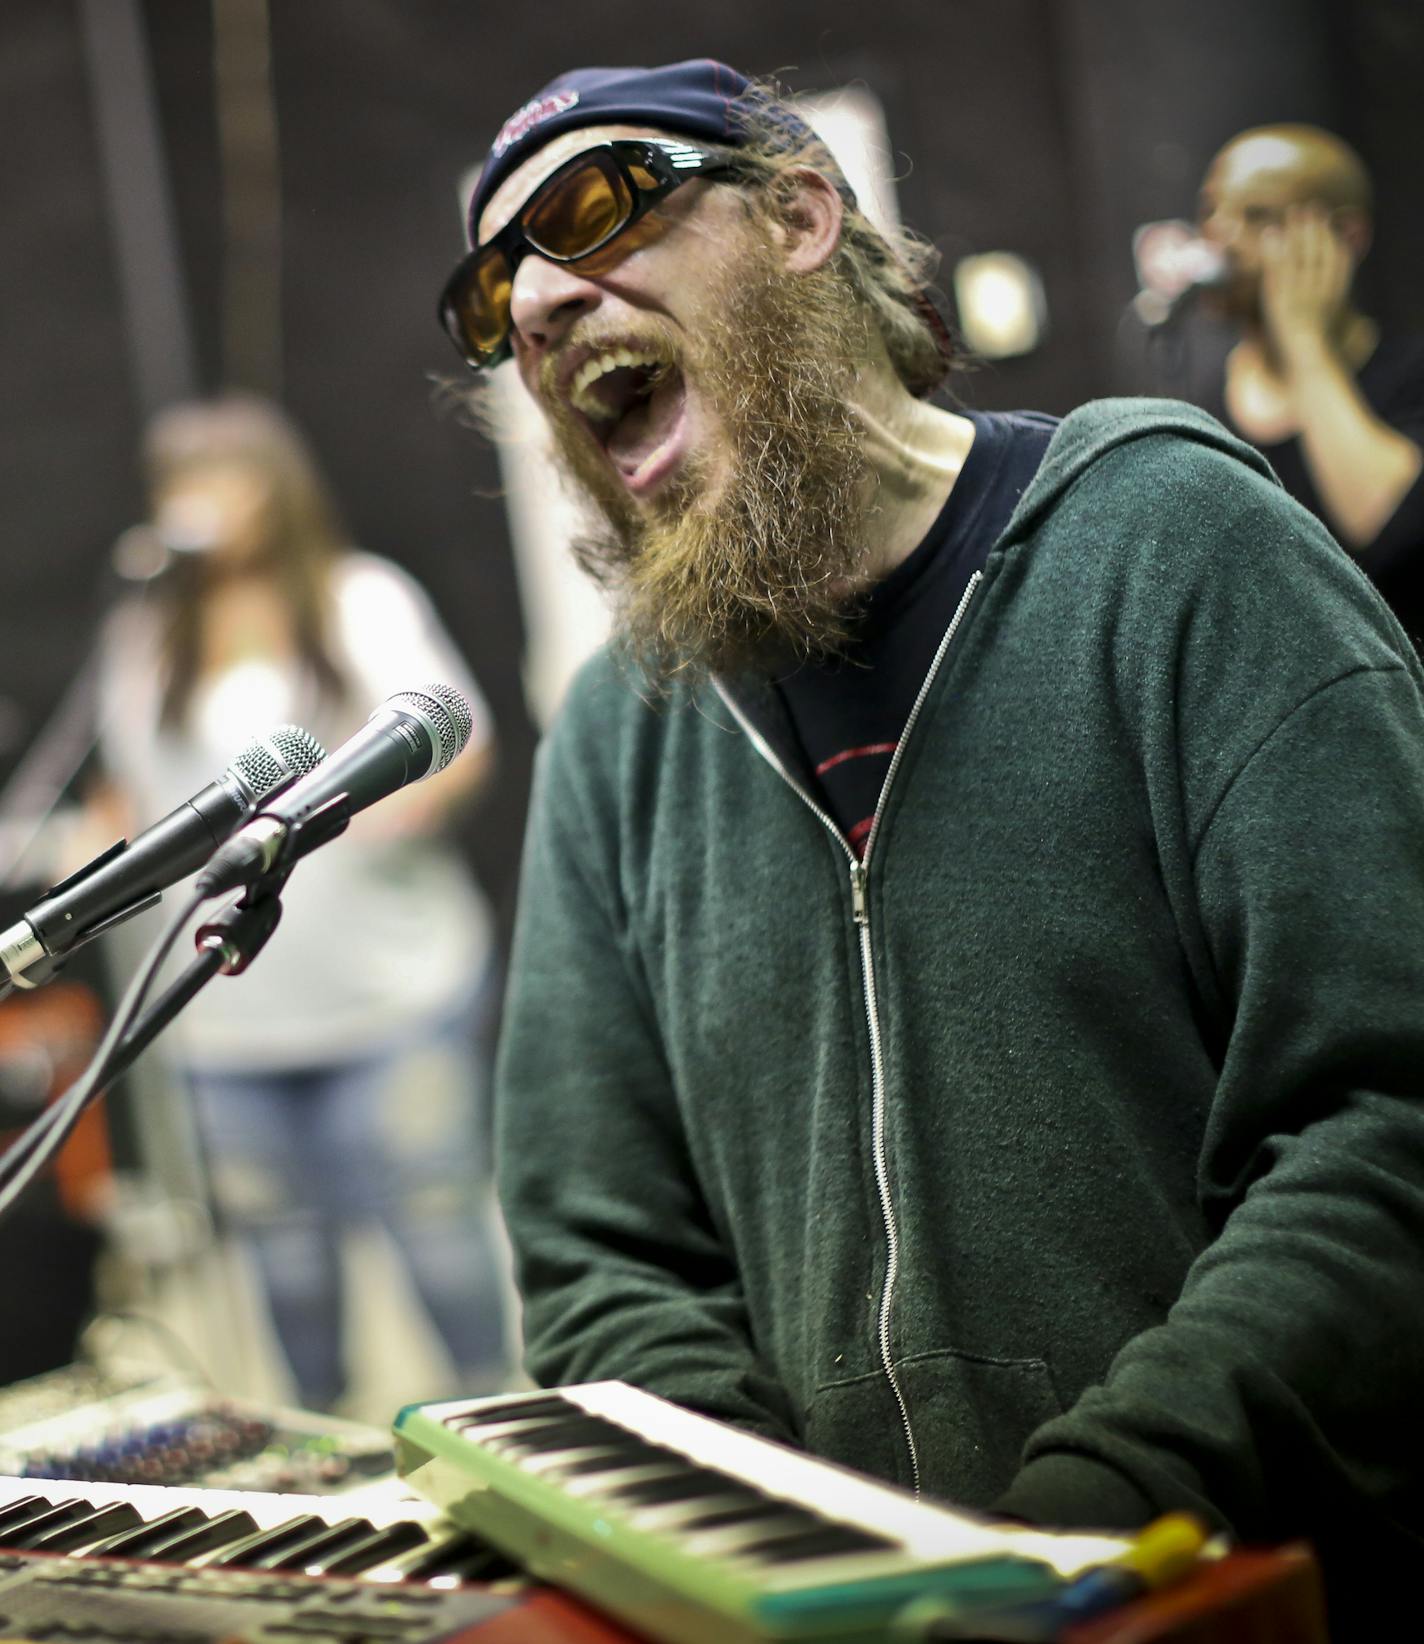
[(1336, 407), (949, 1026)]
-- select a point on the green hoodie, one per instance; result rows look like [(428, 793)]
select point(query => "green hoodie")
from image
[(1067, 1158)]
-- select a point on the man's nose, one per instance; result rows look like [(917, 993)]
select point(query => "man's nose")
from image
[(545, 300)]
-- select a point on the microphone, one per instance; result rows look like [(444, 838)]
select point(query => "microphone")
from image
[(412, 735), (125, 879), (1173, 263)]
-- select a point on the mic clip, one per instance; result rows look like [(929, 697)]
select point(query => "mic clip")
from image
[(317, 828), (267, 847), (240, 932)]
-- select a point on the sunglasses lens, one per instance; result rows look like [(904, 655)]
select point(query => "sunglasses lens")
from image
[(579, 210), (574, 213), (477, 306)]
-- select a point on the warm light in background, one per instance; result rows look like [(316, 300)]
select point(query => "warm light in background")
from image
[(1001, 306)]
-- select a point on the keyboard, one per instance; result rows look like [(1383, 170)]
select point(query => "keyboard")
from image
[(382, 1535), (697, 1533)]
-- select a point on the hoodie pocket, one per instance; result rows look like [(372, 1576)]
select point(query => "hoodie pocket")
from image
[(970, 1414)]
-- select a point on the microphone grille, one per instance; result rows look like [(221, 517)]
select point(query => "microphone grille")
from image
[(447, 715), (267, 762)]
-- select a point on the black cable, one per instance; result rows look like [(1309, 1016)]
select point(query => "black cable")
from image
[(26, 1157)]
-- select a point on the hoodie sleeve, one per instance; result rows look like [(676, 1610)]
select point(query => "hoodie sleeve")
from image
[(621, 1270), (1283, 1386)]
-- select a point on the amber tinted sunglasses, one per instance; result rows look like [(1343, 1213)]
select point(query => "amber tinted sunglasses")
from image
[(575, 212)]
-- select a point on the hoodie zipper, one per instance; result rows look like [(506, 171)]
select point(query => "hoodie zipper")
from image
[(860, 911)]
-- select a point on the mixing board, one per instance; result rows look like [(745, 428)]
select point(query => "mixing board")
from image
[(84, 1424)]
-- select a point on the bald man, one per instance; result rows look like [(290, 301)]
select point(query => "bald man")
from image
[(1337, 408)]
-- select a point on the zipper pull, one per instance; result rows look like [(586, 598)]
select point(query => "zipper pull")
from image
[(857, 893)]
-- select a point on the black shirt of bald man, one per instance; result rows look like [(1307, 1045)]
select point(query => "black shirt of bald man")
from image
[(1392, 384)]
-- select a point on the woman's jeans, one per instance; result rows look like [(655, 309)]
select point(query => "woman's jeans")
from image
[(298, 1156)]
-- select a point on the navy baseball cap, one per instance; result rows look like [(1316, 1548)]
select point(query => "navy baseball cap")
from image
[(696, 98)]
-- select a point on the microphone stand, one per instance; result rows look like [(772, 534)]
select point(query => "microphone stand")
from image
[(227, 944)]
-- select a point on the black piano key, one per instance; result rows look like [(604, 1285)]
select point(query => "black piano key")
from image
[(220, 1529), (830, 1541), (555, 1463), (480, 1562), (95, 1526), (490, 1433), (19, 1512), (373, 1548), (690, 1484), (135, 1543), (543, 1440), (512, 1410), (316, 1544), (40, 1524), (763, 1513), (592, 1456), (600, 1461), (271, 1540), (564, 1435), (446, 1553)]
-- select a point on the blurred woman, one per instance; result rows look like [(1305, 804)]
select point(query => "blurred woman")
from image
[(337, 1081)]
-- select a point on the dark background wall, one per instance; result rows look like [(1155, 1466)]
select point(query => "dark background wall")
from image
[(1047, 127)]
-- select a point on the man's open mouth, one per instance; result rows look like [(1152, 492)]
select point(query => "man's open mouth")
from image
[(633, 401)]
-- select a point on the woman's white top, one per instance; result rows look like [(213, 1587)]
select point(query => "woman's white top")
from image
[(378, 936)]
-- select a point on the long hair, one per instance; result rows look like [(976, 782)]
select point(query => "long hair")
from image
[(302, 533)]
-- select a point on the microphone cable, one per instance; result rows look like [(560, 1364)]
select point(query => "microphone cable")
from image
[(43, 1137)]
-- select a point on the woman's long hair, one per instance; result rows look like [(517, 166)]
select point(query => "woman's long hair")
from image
[(302, 539)]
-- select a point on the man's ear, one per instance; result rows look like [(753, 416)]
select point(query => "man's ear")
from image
[(809, 220)]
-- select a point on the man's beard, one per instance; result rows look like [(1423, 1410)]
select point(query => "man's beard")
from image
[(755, 570)]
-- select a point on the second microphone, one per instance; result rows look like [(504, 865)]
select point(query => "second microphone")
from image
[(412, 735)]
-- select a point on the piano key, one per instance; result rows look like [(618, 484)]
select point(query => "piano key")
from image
[(382, 1503), (479, 1563), (80, 1535), (729, 1537), (218, 1531), (371, 1549), (758, 1510), (830, 1540), (668, 1520), (17, 1512), (39, 1524), (601, 1461), (513, 1426), (270, 1540), (136, 1542), (513, 1410), (599, 1486), (438, 1549), (522, 1450), (554, 1435), (309, 1548), (444, 1552), (689, 1484), (557, 1462)]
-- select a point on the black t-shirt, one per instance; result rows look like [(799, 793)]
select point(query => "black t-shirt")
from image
[(848, 713), (1391, 382)]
